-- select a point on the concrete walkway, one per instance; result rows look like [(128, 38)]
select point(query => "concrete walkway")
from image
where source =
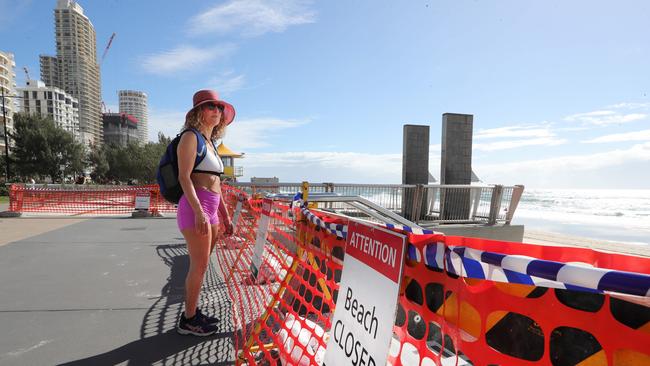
[(101, 291)]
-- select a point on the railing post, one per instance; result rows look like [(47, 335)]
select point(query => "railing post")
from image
[(495, 204), (443, 193), (416, 208), (329, 188), (432, 194), (476, 200), (517, 191)]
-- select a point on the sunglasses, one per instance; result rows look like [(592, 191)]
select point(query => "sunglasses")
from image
[(212, 106)]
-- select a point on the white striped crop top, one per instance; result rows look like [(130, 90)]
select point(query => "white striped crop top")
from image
[(212, 163)]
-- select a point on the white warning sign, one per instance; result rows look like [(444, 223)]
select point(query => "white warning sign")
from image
[(260, 239), (362, 326)]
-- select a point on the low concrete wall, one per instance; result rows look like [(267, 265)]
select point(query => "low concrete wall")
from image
[(494, 232)]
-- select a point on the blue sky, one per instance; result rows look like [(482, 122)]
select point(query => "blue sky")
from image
[(560, 91)]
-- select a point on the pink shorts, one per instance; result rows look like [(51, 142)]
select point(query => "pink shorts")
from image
[(209, 202)]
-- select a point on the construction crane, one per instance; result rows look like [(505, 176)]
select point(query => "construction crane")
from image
[(110, 41), (108, 45)]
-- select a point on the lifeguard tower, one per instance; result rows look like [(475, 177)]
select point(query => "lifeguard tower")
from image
[(230, 171)]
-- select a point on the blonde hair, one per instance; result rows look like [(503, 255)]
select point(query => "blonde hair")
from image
[(195, 119)]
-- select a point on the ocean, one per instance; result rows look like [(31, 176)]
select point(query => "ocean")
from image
[(619, 215), (613, 215)]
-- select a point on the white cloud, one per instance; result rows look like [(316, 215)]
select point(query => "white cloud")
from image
[(525, 135), (348, 167), (241, 136), (514, 144), (605, 118), (227, 82), (630, 105), (165, 121), (515, 131), (552, 172), (184, 58), (435, 149), (643, 135), (252, 17), (257, 132)]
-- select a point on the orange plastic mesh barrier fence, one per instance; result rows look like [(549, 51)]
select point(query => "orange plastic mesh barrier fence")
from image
[(447, 314), (281, 314), (444, 316), (81, 200)]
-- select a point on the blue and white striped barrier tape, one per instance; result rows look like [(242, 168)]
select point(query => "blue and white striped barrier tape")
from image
[(409, 229), (519, 269), (473, 263), (339, 230)]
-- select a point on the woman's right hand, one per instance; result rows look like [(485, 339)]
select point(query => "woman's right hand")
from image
[(201, 223)]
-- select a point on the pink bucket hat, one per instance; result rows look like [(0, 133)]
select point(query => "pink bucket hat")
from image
[(206, 96)]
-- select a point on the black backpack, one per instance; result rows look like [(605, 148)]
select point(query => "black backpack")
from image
[(167, 174)]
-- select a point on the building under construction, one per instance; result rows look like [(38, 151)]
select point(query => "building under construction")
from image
[(120, 129)]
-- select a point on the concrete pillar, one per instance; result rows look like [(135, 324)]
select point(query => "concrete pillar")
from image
[(415, 166), (456, 164)]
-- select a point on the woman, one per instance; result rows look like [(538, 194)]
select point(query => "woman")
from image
[(201, 209)]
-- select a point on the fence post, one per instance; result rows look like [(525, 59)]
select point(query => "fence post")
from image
[(154, 193), (495, 204), (15, 201), (305, 191), (517, 191)]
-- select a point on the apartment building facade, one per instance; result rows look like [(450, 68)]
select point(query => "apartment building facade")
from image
[(8, 89), (48, 101)]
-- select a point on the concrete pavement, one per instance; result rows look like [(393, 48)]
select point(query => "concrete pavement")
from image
[(102, 291)]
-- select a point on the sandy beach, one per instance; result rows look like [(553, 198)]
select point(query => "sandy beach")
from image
[(533, 236)]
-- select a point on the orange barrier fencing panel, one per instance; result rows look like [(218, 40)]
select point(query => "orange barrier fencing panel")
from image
[(449, 311), (84, 200), (462, 301), (282, 305)]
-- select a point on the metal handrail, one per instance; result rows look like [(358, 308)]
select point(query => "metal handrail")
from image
[(423, 204), (370, 209)]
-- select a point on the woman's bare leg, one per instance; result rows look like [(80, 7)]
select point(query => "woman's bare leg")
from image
[(216, 234), (198, 247)]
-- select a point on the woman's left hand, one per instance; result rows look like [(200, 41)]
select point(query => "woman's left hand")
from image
[(228, 228)]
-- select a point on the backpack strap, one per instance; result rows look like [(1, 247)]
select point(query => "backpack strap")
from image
[(201, 148)]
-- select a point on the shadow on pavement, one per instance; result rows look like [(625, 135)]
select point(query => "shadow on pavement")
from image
[(159, 344)]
